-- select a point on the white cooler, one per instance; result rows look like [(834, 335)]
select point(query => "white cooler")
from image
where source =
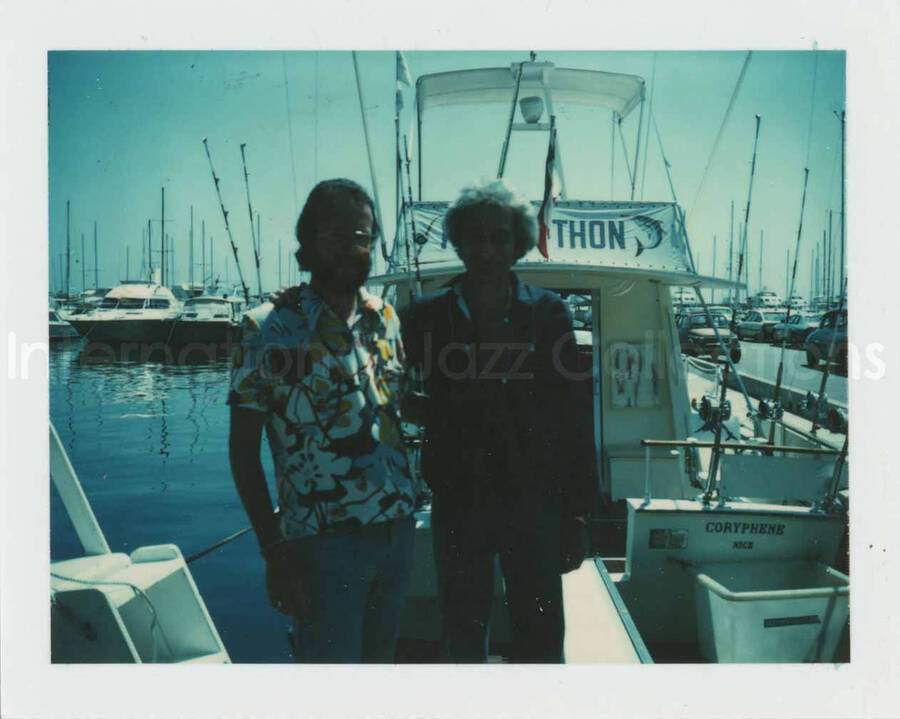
[(770, 611)]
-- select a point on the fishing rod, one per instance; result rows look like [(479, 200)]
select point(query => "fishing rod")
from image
[(512, 116), (751, 413), (227, 226), (743, 241), (365, 124), (420, 242), (253, 238), (834, 322), (777, 393)]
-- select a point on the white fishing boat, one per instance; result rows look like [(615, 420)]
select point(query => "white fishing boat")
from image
[(134, 312), (730, 549)]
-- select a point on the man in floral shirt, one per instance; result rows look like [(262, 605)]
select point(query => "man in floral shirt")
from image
[(320, 371)]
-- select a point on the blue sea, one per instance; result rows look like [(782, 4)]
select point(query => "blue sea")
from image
[(149, 442)]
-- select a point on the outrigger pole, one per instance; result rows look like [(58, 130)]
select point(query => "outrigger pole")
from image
[(253, 237), (227, 226), (412, 221), (777, 393), (362, 112), (512, 115), (750, 411), (743, 239)]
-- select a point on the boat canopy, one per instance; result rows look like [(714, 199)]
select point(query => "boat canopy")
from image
[(619, 92), (139, 292)]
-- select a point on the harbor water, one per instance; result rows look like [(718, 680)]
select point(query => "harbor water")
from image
[(149, 442)]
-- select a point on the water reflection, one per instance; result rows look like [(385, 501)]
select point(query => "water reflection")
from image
[(148, 438)]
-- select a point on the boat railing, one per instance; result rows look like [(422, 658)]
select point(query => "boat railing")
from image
[(770, 450)]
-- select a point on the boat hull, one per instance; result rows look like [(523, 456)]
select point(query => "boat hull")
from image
[(121, 331), (204, 332)]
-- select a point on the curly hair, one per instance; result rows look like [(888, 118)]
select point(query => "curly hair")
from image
[(320, 200), (494, 193)]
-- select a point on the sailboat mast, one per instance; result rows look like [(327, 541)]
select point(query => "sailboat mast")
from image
[(731, 252), (83, 275), (68, 251), (843, 192), (203, 254), (162, 234), (191, 252), (149, 252), (96, 267), (759, 277), (713, 265)]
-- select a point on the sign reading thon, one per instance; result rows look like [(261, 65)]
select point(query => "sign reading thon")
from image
[(598, 234), (637, 235)]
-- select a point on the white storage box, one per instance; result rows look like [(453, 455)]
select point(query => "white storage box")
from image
[(770, 611)]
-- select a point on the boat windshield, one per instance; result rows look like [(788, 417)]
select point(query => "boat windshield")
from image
[(198, 302), (710, 320), (129, 303), (158, 304)]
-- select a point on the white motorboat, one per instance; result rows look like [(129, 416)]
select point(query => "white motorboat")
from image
[(134, 312), (207, 319), (731, 550), (60, 329)]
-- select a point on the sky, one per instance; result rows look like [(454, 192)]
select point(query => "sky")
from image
[(123, 125)]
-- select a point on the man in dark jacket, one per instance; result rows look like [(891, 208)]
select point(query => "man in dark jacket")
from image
[(502, 452)]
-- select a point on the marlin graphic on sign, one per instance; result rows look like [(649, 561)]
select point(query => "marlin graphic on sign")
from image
[(653, 228)]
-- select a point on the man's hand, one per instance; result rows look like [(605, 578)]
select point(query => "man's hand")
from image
[(285, 584), (285, 297)]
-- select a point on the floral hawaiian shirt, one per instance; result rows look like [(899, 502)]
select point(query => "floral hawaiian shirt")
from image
[(330, 392)]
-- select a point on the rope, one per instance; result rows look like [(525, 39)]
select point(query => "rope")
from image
[(647, 136), (154, 621), (287, 106), (715, 148)]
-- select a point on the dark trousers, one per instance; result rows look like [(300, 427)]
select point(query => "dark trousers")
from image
[(357, 584), (525, 533)]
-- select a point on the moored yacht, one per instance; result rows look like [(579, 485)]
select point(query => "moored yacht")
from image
[(135, 312), (207, 319)]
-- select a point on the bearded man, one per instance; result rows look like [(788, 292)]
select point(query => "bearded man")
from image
[(320, 371)]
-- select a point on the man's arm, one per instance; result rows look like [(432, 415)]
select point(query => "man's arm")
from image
[(412, 401), (244, 444)]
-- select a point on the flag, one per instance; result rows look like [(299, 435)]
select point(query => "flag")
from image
[(402, 79), (402, 71), (547, 205)]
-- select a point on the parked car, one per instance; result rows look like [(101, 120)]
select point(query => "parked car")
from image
[(833, 325), (796, 328), (758, 324), (697, 336)]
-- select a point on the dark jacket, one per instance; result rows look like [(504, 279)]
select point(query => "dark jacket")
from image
[(506, 418)]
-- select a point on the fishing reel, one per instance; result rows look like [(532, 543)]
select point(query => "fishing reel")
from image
[(711, 409), (770, 409), (836, 421), (420, 238)]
